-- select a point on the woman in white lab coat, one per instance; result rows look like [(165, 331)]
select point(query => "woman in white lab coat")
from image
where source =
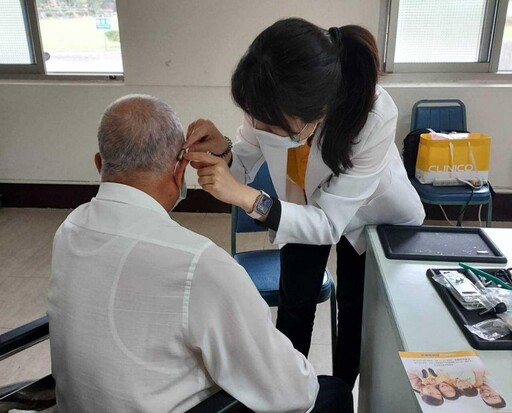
[(315, 114)]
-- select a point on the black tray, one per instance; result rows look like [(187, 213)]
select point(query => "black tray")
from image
[(429, 243), (463, 316)]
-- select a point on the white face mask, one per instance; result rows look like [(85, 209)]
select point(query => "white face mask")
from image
[(271, 139)]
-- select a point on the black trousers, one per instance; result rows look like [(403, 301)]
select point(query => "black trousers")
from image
[(333, 396), (302, 271)]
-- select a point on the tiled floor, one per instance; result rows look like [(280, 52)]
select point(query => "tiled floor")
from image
[(25, 253)]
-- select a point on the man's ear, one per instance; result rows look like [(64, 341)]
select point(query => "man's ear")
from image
[(98, 162), (180, 171)]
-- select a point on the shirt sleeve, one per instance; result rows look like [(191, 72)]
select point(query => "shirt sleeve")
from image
[(333, 205), (230, 325)]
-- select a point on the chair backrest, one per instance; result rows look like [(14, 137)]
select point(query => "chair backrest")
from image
[(13, 342), (23, 337), (240, 221), (439, 114)]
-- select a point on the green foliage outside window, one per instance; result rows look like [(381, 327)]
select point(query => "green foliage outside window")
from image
[(112, 35)]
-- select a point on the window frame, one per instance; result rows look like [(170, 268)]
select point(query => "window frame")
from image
[(37, 70), (490, 47)]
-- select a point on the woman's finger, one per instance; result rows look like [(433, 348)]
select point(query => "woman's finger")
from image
[(208, 188), (191, 128), (194, 125), (200, 131), (205, 180), (198, 165), (200, 147), (206, 171), (203, 157)]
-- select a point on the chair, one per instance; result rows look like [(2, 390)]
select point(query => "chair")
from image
[(447, 115), (439, 114), (33, 394), (263, 266), (40, 394)]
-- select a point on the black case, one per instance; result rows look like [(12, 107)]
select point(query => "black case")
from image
[(433, 243), (470, 317)]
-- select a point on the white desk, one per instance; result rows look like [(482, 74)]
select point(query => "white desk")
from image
[(403, 312)]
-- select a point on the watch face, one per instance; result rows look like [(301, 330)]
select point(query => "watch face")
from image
[(264, 204)]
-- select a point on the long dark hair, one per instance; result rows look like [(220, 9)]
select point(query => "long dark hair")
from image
[(298, 69)]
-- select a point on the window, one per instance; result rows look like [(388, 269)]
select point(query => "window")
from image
[(447, 36), (71, 37), (506, 47), (13, 32)]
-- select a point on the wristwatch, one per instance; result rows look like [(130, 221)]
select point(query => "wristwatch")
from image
[(261, 206)]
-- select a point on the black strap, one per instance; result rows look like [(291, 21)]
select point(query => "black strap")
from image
[(273, 217)]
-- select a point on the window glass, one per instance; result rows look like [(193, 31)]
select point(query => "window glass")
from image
[(14, 43), (80, 36), (433, 31), (506, 48)]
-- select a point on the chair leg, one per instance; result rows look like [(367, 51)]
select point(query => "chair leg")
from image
[(461, 216), (489, 212), (333, 321)]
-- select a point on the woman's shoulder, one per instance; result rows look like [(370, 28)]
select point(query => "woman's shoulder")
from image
[(381, 119), (384, 107)]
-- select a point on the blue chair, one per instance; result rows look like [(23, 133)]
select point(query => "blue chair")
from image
[(263, 266), (439, 114), (447, 115)]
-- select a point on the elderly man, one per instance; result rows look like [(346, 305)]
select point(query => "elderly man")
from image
[(147, 316)]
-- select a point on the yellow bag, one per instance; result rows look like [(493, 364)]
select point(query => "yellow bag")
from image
[(453, 158)]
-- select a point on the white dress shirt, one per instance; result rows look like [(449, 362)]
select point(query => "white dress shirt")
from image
[(375, 190), (147, 316)]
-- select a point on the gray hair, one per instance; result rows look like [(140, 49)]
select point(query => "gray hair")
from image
[(139, 133)]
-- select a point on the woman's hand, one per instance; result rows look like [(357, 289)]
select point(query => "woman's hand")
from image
[(203, 136), (215, 177)]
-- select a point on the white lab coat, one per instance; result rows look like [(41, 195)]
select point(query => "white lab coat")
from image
[(375, 190)]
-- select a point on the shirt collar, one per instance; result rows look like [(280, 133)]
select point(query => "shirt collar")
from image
[(110, 191)]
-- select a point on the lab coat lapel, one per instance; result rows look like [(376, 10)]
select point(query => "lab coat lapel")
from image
[(277, 159), (317, 170)]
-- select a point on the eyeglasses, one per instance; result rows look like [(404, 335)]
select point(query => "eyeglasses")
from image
[(296, 137)]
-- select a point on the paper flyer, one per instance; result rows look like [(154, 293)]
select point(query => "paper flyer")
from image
[(453, 382)]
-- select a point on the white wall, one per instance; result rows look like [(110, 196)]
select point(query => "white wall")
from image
[(183, 51)]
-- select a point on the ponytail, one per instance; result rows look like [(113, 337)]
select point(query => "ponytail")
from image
[(348, 112)]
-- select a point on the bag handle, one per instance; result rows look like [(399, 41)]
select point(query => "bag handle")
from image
[(473, 162)]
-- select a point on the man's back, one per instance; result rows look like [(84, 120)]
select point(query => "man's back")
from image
[(142, 317)]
